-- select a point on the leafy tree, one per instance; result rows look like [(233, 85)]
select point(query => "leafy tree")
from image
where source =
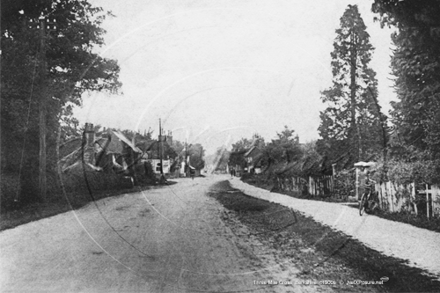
[(220, 159), (195, 155), (71, 68), (236, 156), (179, 148), (285, 148), (416, 65), (242, 144), (352, 125)]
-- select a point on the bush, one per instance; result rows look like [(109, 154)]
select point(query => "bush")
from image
[(80, 180), (246, 176), (144, 174), (401, 172), (344, 184)]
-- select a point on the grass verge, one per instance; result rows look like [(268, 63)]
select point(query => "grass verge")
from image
[(62, 204), (320, 252), (432, 224)]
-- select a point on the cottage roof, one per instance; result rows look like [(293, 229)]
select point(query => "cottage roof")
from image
[(122, 138), (71, 151), (307, 166), (253, 151), (249, 151)]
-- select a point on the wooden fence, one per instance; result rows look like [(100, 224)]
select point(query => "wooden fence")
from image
[(321, 186), (293, 184), (315, 186), (418, 199)]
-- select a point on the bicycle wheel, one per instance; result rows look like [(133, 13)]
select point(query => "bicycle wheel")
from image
[(362, 204)]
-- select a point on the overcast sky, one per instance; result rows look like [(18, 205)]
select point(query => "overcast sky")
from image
[(217, 71)]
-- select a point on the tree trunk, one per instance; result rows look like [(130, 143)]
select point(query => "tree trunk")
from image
[(354, 124), (382, 120), (42, 115)]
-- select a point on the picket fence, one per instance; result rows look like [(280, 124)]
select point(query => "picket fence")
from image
[(321, 186), (293, 184), (314, 186), (420, 199)]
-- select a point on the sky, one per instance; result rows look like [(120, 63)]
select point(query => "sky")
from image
[(218, 71)]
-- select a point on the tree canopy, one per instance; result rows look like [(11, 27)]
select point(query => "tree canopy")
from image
[(284, 148), (416, 65), (65, 52), (196, 155), (239, 148), (352, 123)]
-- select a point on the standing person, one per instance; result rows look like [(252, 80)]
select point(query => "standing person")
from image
[(370, 203), (361, 181), (192, 173), (369, 188)]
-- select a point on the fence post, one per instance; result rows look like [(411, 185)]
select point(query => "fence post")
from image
[(427, 201), (391, 195), (333, 178), (379, 194), (435, 201), (384, 193), (413, 197)]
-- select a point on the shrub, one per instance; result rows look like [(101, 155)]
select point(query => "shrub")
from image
[(344, 183), (401, 172), (80, 180)]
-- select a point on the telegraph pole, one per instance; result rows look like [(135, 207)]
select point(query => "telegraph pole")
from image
[(186, 169), (162, 179), (160, 148), (42, 112), (42, 106)]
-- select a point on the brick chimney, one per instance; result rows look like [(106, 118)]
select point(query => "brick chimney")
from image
[(89, 149)]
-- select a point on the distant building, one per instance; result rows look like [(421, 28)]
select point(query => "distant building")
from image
[(111, 151), (162, 150), (253, 160), (237, 162), (114, 150), (166, 166)]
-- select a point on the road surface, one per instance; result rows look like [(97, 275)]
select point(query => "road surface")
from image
[(420, 247), (167, 239)]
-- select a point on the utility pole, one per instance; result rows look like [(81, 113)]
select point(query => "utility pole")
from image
[(42, 107), (160, 148), (162, 179), (186, 168), (42, 112)]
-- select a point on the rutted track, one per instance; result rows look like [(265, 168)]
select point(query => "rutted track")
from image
[(171, 239)]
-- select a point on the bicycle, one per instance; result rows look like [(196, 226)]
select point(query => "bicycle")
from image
[(363, 203), (366, 200)]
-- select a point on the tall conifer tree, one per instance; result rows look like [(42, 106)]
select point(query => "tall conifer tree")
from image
[(351, 124)]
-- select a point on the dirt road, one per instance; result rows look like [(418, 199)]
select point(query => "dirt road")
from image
[(419, 247), (168, 239)]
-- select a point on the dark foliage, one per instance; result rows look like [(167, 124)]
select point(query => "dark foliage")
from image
[(416, 65), (54, 75), (352, 125)]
